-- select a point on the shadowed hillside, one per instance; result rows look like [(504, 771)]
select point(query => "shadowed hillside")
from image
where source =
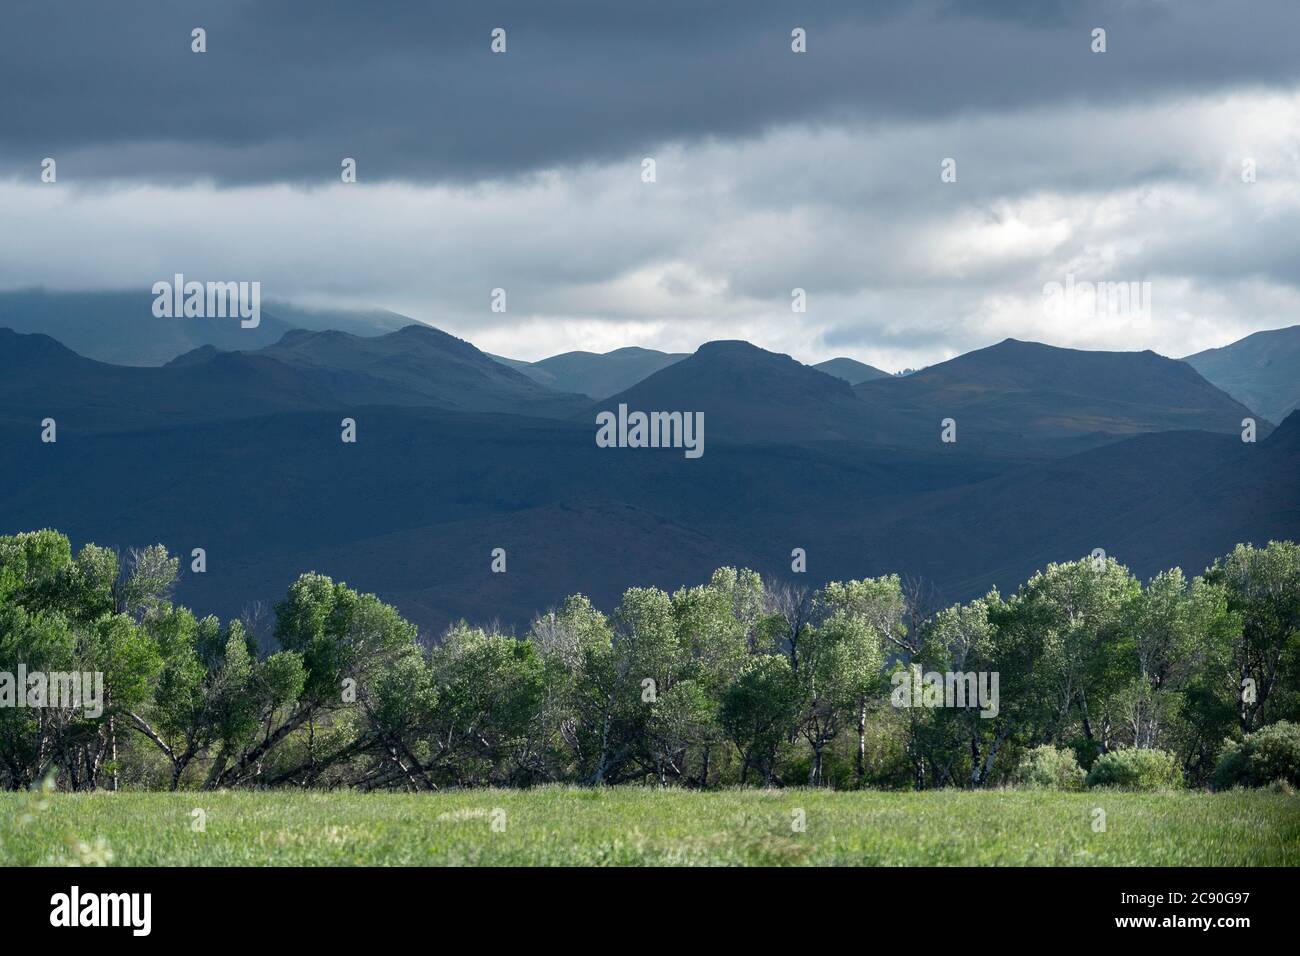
[(413, 510), (423, 496)]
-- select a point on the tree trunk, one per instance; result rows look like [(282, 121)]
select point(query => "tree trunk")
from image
[(250, 760), (861, 767), (112, 751), (1087, 723), (217, 769), (598, 777)]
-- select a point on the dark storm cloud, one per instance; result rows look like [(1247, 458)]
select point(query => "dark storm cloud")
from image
[(412, 92)]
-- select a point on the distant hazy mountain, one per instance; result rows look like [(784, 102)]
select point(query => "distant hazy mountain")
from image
[(595, 375), (365, 322), (526, 368), (1262, 371), (120, 327), (851, 370), (1039, 393), (417, 365)]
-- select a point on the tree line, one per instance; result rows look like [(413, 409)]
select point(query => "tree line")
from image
[(740, 681)]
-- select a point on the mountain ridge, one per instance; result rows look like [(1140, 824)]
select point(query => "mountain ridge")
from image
[(1261, 370), (1035, 391)]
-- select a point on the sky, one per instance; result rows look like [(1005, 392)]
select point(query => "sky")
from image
[(774, 170)]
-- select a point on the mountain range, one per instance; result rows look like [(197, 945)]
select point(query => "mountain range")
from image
[(1012, 398), (1058, 451)]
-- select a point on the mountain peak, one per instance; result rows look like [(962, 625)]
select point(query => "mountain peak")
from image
[(33, 346), (30, 339), (1031, 390), (427, 336), (851, 370), (204, 353), (594, 374), (419, 329), (732, 346), (747, 392)]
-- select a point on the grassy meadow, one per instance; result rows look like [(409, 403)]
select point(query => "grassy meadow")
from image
[(636, 826)]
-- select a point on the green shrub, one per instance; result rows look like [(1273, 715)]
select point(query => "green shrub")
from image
[(1049, 768), (1136, 769), (1270, 753)]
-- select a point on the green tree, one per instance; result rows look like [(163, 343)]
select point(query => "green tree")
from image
[(584, 677), (839, 665), (1263, 588), (329, 634), (490, 688), (880, 605), (760, 710)]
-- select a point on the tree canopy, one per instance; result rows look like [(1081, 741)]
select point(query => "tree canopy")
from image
[(739, 680)]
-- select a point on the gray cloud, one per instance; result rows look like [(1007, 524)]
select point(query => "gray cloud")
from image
[(411, 90)]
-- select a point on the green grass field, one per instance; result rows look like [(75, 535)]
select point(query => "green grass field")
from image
[(561, 826)]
